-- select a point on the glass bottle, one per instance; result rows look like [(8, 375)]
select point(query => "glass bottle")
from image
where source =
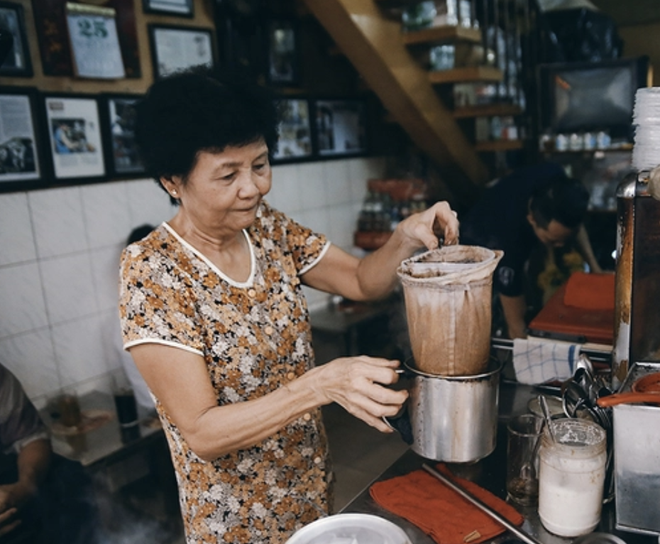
[(571, 477)]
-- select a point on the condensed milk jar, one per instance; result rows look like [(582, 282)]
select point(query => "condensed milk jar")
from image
[(571, 477)]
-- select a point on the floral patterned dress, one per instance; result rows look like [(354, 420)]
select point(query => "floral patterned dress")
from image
[(254, 337)]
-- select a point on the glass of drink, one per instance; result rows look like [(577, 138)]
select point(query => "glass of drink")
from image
[(524, 435)]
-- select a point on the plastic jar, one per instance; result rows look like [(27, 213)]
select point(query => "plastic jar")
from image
[(571, 477)]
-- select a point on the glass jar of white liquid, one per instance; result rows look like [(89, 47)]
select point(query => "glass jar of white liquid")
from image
[(571, 477)]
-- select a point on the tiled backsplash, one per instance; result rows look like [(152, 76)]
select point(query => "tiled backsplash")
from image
[(59, 254)]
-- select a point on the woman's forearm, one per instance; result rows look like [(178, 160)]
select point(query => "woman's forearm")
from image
[(377, 272), (223, 429)]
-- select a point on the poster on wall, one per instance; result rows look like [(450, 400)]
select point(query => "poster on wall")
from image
[(176, 48), (19, 153), (12, 21), (118, 117), (75, 137), (295, 141), (340, 127), (55, 48), (94, 40)]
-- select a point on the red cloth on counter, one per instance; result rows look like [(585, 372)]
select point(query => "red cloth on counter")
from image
[(590, 291), (438, 510)]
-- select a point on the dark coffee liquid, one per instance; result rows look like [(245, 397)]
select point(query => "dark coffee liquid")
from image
[(126, 408)]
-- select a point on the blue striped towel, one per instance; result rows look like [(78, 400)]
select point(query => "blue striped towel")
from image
[(539, 361)]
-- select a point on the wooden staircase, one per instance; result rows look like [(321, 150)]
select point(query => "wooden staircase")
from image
[(381, 53)]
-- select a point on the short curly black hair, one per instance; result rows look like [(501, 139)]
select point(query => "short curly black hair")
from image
[(561, 198), (201, 109)]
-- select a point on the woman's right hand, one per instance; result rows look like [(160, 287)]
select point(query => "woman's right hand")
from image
[(358, 385)]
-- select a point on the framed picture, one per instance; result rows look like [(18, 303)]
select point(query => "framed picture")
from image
[(283, 63), (341, 127), (20, 165), (17, 63), (182, 8), (74, 134), (118, 122), (295, 142), (175, 48)]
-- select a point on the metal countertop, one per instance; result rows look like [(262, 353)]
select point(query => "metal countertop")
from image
[(489, 473)]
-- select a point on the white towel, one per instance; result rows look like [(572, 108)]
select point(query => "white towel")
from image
[(539, 361)]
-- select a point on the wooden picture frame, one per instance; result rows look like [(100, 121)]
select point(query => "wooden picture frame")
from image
[(73, 125), (18, 62), (283, 52), (179, 8), (117, 125), (296, 142), (340, 127), (175, 48), (21, 164)]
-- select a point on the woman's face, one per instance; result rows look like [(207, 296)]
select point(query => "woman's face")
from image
[(224, 189)]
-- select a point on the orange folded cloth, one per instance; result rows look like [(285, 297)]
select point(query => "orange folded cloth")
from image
[(439, 511), (590, 291)]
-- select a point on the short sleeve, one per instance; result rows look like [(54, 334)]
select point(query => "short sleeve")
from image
[(157, 303), (20, 423), (305, 246)]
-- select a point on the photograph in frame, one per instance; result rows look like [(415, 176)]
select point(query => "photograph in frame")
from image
[(340, 127), (19, 145), (295, 130), (181, 8), (176, 48), (74, 133), (283, 66), (122, 156), (17, 63)]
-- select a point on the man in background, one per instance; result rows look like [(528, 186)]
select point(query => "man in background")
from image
[(25, 456), (532, 205)]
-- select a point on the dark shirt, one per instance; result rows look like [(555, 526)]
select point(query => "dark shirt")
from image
[(499, 221), (19, 420)]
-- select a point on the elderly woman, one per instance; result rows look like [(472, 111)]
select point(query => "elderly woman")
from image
[(215, 319)]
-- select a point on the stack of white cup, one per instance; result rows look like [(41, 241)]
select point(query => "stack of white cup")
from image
[(646, 119)]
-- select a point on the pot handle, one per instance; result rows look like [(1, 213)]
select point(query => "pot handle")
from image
[(401, 424), (630, 397), (401, 421)]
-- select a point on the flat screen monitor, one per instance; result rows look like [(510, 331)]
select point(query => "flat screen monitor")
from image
[(591, 96)]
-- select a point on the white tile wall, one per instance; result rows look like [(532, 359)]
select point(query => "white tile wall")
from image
[(59, 254)]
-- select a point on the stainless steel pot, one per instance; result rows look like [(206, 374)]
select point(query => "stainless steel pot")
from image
[(451, 418)]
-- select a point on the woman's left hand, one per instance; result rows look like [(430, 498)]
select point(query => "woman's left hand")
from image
[(427, 226)]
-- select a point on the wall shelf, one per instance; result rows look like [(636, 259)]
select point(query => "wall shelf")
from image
[(463, 75), (441, 34), (487, 110), (499, 145)]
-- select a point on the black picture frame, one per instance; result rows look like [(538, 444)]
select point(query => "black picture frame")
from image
[(21, 153), (72, 123), (340, 127), (282, 52), (117, 126), (18, 62), (178, 8), (296, 138), (175, 47)]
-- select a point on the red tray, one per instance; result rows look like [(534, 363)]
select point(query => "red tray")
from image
[(561, 322)]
